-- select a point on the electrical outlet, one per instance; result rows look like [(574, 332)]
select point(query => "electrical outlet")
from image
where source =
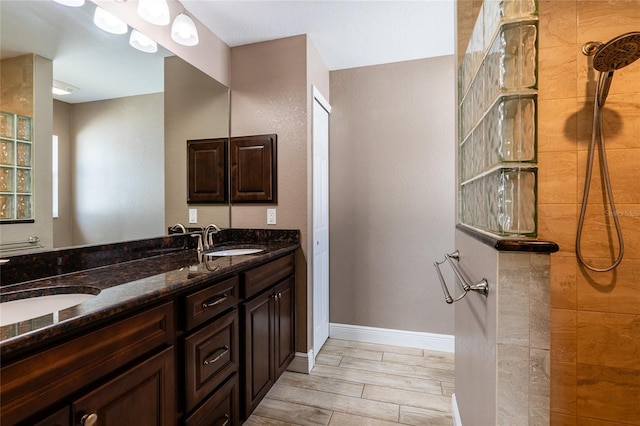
[(193, 215), (271, 216)]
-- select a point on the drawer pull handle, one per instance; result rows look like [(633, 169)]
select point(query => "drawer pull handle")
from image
[(89, 419), (226, 420), (215, 302), (225, 350)]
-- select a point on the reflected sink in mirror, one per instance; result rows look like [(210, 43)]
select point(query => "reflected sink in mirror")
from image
[(235, 251), (24, 305)]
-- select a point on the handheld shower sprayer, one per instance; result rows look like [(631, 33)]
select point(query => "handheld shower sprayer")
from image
[(607, 58)]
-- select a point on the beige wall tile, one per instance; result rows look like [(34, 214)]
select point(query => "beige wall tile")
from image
[(539, 372), (558, 419), (557, 124), (513, 375), (616, 291), (620, 119), (563, 388), (602, 20), (563, 335), (563, 277), (558, 222), (558, 22), (557, 182), (557, 72), (624, 173), (608, 393), (607, 339), (539, 302)]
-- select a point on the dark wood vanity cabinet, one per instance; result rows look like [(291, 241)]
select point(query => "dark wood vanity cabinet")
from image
[(207, 171), (205, 356), (268, 326), (254, 169), (108, 372), (143, 395), (212, 355)]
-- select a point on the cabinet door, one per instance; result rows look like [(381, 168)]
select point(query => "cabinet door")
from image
[(207, 171), (283, 328), (258, 343), (142, 396), (254, 169)]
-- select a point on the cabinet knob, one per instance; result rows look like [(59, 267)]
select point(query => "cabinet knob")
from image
[(89, 419)]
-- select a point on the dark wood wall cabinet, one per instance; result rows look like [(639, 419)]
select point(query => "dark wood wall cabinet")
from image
[(205, 356), (207, 171), (254, 169)]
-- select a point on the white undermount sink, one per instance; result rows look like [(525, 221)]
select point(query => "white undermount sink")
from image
[(33, 307), (234, 251)]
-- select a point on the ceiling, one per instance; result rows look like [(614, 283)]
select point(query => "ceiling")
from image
[(347, 34)]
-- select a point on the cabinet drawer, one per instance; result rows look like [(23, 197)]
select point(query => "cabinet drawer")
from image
[(262, 277), (206, 304), (222, 409), (72, 365), (211, 355)]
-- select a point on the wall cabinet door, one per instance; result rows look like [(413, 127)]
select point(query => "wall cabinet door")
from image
[(142, 396), (207, 170), (254, 169)]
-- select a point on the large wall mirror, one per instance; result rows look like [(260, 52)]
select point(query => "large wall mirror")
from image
[(121, 134)]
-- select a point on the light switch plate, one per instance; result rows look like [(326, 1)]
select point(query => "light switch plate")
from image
[(193, 215), (271, 216)]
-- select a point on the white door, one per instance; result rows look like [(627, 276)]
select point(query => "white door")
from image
[(321, 111)]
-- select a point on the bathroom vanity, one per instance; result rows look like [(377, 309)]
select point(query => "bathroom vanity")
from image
[(174, 338)]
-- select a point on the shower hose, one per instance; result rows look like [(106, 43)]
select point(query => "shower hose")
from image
[(597, 137)]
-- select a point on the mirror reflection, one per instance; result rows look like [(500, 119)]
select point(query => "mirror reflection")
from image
[(121, 133)]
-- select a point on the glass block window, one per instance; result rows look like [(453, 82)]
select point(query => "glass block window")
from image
[(497, 118), (16, 168)]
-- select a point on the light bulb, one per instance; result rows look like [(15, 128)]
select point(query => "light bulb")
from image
[(142, 42), (109, 22), (154, 11), (183, 31)]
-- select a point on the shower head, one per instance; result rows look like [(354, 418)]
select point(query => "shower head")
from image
[(615, 54)]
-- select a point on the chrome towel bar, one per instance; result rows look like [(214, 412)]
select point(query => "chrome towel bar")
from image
[(30, 243), (481, 286)]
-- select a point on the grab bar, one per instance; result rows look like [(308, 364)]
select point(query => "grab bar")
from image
[(481, 286), (30, 243)]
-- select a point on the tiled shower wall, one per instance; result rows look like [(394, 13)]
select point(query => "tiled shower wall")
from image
[(595, 317)]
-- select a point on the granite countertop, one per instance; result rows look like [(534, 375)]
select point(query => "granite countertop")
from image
[(126, 286)]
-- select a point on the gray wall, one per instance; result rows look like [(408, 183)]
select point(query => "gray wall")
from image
[(392, 193), (118, 164), (196, 107)]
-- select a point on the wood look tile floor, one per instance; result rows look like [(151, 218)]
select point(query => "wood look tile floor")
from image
[(354, 384)]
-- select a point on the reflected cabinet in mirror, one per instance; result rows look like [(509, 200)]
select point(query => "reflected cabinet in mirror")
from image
[(121, 162)]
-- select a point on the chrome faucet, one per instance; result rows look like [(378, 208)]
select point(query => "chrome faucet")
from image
[(178, 226), (207, 235)]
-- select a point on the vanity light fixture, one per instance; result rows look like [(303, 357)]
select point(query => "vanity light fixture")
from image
[(109, 22), (72, 3), (61, 88), (142, 42), (183, 31), (154, 11)]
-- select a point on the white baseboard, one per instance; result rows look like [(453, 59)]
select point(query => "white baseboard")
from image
[(457, 421), (385, 336), (302, 363)]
